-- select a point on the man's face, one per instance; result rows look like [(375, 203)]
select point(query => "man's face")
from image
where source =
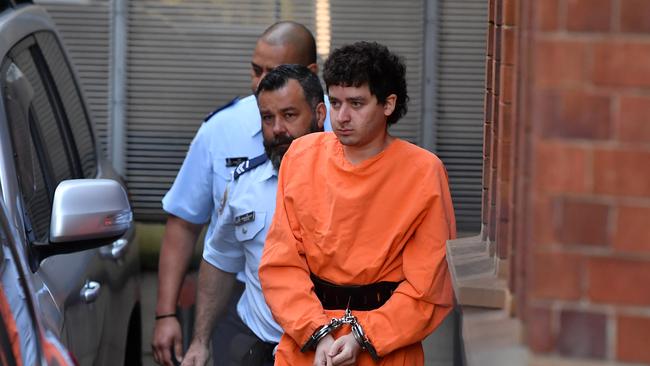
[(266, 57), (358, 119), (286, 115)]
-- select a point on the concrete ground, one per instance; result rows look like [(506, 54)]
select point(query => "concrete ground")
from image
[(438, 347)]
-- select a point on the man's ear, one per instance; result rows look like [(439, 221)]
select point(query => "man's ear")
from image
[(321, 113), (389, 104), (313, 67)]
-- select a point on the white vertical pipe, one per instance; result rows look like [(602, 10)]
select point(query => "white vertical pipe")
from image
[(430, 69), (117, 143)]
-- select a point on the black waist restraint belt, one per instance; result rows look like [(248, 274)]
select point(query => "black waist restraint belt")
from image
[(362, 297), (348, 298)]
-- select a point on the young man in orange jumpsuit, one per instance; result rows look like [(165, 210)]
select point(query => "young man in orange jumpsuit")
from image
[(361, 223)]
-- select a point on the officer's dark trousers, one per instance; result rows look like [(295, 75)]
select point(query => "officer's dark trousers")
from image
[(234, 344)]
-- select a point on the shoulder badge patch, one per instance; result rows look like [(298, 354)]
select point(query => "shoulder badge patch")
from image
[(235, 100), (231, 162), (249, 165), (247, 217)]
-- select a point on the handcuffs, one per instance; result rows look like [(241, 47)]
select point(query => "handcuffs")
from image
[(357, 332)]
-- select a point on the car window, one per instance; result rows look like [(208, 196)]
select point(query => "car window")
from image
[(46, 149), (48, 133), (77, 118), (17, 96)]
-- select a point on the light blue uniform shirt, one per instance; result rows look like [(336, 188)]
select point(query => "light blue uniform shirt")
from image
[(238, 242), (233, 132)]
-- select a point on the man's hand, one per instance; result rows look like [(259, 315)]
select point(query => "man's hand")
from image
[(344, 351), (321, 358), (175, 253), (197, 355), (167, 334)]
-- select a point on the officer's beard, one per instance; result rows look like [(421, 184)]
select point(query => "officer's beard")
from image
[(276, 148)]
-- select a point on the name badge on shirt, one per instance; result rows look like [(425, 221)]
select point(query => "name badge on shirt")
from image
[(232, 162), (247, 217)]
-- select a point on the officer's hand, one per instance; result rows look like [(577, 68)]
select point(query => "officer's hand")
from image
[(344, 351), (197, 355), (321, 359), (167, 334)]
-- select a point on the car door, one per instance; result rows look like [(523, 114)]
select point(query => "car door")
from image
[(23, 341), (18, 328), (46, 152), (120, 260)]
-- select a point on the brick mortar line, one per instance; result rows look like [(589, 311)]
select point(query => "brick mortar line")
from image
[(602, 145), (611, 329), (616, 16), (591, 197), (606, 252), (562, 16), (596, 37), (587, 85), (582, 305)]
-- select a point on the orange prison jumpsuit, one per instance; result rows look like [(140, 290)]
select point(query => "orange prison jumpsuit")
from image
[(385, 219)]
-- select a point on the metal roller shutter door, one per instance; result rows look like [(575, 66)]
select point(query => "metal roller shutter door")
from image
[(177, 74), (184, 60), (460, 54), (400, 26), (459, 105), (85, 29)]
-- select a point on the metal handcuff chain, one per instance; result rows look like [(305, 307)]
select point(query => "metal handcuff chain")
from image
[(334, 324)]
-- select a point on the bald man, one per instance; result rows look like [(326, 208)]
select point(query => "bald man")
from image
[(230, 135)]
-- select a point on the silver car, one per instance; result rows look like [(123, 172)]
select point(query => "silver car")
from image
[(66, 204)]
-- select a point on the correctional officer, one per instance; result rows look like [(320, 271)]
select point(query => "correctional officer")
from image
[(229, 136), (291, 104)]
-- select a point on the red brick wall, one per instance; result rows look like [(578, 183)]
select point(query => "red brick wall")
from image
[(567, 171)]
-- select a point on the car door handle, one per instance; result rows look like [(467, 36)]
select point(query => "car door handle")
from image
[(90, 291), (115, 250)]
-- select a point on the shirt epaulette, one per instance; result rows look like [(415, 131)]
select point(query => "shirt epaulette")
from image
[(235, 100), (249, 165)]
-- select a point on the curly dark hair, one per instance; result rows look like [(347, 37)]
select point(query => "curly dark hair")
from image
[(373, 64)]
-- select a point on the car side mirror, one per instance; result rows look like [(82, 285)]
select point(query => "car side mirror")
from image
[(85, 209), (86, 213)]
